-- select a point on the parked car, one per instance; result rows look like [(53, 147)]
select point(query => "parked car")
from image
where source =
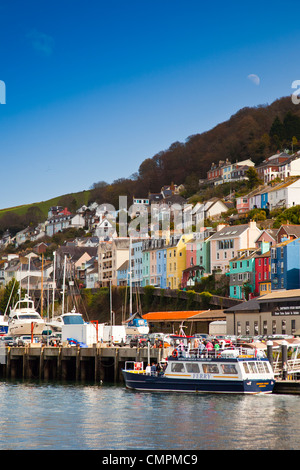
[(23, 340), (8, 341), (139, 341)]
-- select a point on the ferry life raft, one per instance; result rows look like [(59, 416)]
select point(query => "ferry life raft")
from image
[(229, 371)]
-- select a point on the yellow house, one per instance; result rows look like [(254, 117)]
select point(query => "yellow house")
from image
[(176, 259), (265, 287)]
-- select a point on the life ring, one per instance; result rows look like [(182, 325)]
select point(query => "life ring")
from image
[(175, 353)]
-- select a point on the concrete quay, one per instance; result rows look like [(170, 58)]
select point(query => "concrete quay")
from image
[(93, 364)]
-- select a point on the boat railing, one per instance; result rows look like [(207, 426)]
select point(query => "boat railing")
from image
[(239, 352)]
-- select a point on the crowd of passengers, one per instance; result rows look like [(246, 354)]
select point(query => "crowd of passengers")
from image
[(200, 348)]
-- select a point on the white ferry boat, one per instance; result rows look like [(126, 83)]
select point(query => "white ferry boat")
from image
[(228, 371)]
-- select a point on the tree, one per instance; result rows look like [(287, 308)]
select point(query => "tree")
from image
[(278, 129), (10, 295), (253, 178), (291, 124)]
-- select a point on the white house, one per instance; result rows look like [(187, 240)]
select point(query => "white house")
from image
[(208, 210), (285, 195), (105, 230), (290, 167)]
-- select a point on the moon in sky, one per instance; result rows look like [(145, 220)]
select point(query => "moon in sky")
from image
[(254, 78)]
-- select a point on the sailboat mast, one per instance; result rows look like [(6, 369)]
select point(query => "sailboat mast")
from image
[(53, 291), (42, 286), (130, 279), (64, 282)]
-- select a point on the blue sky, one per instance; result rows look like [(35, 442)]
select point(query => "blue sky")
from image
[(95, 87)]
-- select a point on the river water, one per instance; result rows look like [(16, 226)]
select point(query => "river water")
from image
[(46, 416)]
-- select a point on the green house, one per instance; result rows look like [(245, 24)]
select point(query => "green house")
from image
[(242, 274)]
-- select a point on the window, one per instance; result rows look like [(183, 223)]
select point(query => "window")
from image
[(274, 327), (283, 327), (228, 369), (260, 367), (210, 368), (246, 368), (247, 328), (177, 367), (256, 327), (192, 368), (265, 327), (252, 367)]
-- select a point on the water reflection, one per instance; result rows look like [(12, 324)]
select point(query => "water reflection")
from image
[(43, 416)]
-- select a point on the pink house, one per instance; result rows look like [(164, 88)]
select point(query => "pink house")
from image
[(242, 204), (191, 261)]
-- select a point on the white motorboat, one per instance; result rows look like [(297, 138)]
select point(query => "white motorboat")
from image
[(70, 318), (24, 319)]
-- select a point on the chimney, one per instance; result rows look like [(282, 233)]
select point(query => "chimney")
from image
[(252, 224)]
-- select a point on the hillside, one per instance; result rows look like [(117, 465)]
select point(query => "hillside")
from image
[(254, 133), (19, 217)]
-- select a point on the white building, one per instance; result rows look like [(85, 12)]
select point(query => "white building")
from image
[(285, 195)]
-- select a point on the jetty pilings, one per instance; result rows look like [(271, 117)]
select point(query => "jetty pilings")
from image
[(92, 364)]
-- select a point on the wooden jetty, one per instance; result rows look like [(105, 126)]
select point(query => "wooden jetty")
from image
[(62, 363)]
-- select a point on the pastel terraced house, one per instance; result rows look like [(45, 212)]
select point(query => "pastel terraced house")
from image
[(176, 259), (242, 274), (228, 240)]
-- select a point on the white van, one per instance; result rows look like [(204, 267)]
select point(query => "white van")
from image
[(115, 334)]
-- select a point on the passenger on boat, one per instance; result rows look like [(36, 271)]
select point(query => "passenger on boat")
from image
[(181, 348), (148, 370), (209, 346), (153, 369)]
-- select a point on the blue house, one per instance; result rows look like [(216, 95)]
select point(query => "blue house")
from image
[(161, 267), (123, 274), (285, 265), (264, 200), (136, 262)]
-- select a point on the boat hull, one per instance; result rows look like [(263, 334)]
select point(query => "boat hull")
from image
[(23, 328), (143, 382)]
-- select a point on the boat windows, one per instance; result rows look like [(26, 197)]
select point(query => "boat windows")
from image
[(210, 368), (30, 317), (229, 369), (246, 368), (266, 367), (252, 367), (73, 320), (177, 367), (192, 367), (260, 367)]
